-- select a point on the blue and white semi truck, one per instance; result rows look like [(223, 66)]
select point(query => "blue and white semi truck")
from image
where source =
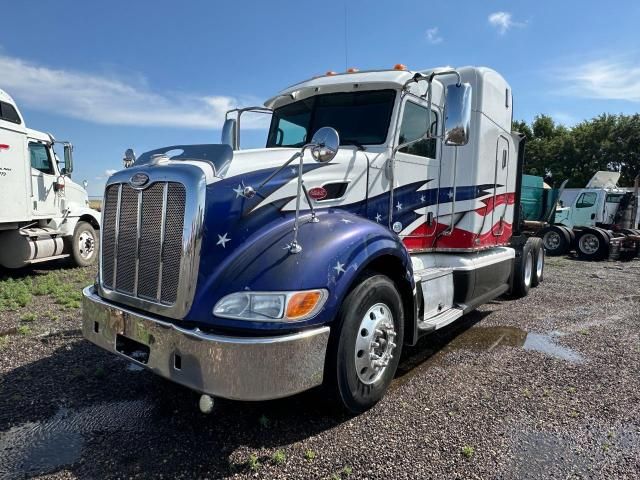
[(384, 206)]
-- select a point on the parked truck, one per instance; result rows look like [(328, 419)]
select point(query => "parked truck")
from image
[(43, 214), (600, 222), (383, 208)]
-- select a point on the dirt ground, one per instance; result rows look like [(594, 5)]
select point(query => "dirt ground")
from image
[(543, 387)]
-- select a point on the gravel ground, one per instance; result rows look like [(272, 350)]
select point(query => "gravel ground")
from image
[(544, 387)]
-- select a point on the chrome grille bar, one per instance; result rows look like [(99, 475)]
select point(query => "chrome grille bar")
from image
[(138, 225), (163, 225), (115, 240)]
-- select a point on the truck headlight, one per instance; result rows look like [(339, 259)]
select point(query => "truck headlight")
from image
[(271, 306)]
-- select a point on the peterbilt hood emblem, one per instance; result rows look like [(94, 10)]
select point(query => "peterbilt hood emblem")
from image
[(139, 180)]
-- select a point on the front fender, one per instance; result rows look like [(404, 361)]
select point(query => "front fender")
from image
[(335, 251)]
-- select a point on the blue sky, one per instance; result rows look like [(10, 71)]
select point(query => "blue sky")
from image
[(142, 74)]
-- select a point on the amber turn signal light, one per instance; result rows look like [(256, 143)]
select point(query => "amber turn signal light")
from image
[(302, 304), (399, 66)]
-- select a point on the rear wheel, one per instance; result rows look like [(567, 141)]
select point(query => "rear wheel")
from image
[(538, 261), (523, 272), (365, 345), (555, 239), (592, 244), (83, 245)]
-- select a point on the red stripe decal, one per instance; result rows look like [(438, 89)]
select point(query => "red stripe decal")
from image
[(4, 146)]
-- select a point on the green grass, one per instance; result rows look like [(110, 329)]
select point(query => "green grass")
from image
[(63, 285), (4, 341), (347, 471), (28, 317), (278, 457), (309, 454), (24, 330), (468, 451), (14, 293), (252, 462)]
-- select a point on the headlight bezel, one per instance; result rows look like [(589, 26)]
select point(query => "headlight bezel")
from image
[(285, 296)]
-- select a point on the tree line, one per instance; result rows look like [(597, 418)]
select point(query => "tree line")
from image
[(607, 142)]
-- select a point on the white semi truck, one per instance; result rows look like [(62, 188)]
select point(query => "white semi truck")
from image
[(601, 221), (384, 206), (43, 214)]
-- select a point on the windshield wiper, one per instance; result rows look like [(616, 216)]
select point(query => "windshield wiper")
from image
[(355, 143)]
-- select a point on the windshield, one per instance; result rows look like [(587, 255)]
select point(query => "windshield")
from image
[(361, 118)]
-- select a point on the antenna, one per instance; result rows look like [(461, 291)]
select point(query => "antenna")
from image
[(346, 46)]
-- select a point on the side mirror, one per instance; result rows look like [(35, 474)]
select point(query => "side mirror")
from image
[(68, 158), (457, 120), (129, 158), (230, 133), (324, 144)]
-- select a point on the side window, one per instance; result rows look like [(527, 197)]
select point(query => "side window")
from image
[(9, 113), (414, 125), (40, 158), (586, 200)]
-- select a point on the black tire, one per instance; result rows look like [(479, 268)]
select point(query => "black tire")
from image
[(341, 379), (592, 244), (83, 246), (538, 261), (523, 271), (555, 239)]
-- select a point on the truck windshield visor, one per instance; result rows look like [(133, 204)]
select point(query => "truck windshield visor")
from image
[(361, 118)]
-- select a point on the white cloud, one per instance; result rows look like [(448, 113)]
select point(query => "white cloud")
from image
[(105, 100), (433, 36), (564, 118), (503, 21), (610, 79), (109, 172)]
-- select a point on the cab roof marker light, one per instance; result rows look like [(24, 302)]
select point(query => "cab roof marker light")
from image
[(400, 66), (330, 73), (353, 70)]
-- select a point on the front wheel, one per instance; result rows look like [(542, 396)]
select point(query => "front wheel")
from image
[(365, 344), (83, 245)]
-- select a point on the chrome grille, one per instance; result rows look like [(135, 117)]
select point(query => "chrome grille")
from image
[(142, 240)]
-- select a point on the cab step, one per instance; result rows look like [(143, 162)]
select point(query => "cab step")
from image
[(441, 320)]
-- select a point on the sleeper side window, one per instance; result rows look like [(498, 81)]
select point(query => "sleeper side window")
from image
[(9, 113), (40, 159), (415, 119)]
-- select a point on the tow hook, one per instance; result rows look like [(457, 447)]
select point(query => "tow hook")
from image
[(206, 404)]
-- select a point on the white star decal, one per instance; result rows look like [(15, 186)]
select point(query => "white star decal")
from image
[(294, 171), (378, 217), (239, 191), (450, 194), (422, 199), (223, 239), (399, 206), (345, 220), (339, 268)]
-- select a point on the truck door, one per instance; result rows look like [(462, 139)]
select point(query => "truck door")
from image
[(45, 201), (416, 178), (584, 213), (500, 200)]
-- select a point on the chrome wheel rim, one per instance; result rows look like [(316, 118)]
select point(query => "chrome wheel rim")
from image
[(86, 245), (528, 268), (540, 263), (551, 240), (589, 243), (374, 343)]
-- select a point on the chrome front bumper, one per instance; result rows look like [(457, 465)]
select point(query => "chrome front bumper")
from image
[(239, 368)]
